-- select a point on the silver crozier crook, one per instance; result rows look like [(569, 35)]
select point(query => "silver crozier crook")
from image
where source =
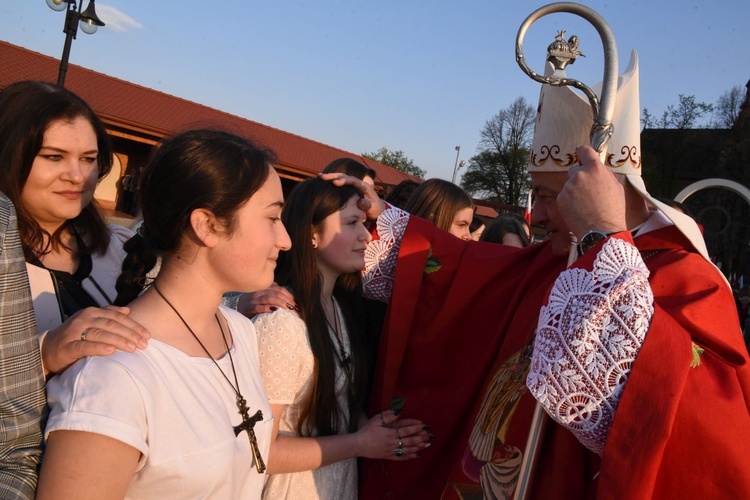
[(601, 131)]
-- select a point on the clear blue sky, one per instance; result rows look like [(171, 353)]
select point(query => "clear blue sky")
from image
[(416, 75)]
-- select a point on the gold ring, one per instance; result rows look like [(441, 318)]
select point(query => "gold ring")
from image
[(83, 335)]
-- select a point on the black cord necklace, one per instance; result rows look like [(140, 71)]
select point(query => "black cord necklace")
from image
[(248, 422), (338, 334)]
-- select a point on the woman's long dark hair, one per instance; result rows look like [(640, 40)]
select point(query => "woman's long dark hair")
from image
[(305, 209), (208, 169), (27, 109)]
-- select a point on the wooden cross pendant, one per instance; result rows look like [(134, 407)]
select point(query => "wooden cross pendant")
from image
[(248, 425)]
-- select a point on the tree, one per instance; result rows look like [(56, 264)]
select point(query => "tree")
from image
[(727, 109), (397, 160), (499, 171), (685, 116)]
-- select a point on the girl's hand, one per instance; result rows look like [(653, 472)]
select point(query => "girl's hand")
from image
[(264, 301), (384, 436), (92, 331)]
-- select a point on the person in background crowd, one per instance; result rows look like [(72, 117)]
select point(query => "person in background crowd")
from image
[(476, 228), (444, 204), (401, 192), (53, 151), (22, 399), (314, 362), (188, 415), (506, 229), (350, 166)]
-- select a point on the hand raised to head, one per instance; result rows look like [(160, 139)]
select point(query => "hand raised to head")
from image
[(370, 203), (592, 198)]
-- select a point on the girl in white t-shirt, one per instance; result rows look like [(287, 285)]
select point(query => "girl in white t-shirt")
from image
[(186, 417), (313, 363)]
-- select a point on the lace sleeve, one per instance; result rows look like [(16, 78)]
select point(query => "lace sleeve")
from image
[(587, 339), (381, 254), (286, 359)]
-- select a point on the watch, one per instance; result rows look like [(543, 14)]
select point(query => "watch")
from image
[(590, 240)]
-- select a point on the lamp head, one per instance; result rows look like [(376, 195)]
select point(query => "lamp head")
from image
[(89, 20), (58, 5)]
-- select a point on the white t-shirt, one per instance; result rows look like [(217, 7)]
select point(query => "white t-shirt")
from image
[(177, 410)]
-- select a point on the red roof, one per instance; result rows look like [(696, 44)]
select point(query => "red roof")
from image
[(158, 114)]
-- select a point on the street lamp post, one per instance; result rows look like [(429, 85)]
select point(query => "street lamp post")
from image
[(455, 165), (87, 19)]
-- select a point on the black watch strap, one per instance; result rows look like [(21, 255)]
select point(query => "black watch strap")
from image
[(590, 240)]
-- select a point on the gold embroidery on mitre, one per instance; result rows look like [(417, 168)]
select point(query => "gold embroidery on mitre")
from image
[(552, 153), (629, 156)]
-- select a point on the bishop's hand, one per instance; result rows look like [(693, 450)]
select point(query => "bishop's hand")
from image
[(592, 198)]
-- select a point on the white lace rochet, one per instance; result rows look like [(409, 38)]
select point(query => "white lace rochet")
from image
[(381, 254), (587, 339)]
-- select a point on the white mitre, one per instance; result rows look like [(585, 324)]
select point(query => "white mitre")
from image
[(563, 122)]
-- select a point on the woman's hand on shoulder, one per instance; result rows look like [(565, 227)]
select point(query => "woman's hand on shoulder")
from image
[(92, 331), (386, 436), (265, 301)]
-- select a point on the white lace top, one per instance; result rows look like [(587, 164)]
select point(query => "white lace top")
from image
[(286, 363), (587, 339)]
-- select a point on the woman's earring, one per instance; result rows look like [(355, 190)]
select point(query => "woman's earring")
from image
[(315, 245)]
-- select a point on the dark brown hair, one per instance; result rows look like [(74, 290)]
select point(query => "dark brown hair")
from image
[(27, 109), (502, 225), (401, 192), (351, 167), (209, 169), (305, 209)]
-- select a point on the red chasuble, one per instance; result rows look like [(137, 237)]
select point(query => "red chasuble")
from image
[(682, 429), (460, 317), (446, 335)]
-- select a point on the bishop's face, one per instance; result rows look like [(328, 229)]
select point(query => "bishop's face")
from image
[(546, 186)]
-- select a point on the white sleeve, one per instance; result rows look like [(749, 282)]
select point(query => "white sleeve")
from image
[(587, 339), (381, 255), (286, 360), (120, 233), (99, 396)]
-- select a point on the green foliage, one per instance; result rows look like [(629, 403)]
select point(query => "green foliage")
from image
[(397, 160)]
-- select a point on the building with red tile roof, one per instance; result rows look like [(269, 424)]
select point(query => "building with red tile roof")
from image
[(137, 118), (137, 114)]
